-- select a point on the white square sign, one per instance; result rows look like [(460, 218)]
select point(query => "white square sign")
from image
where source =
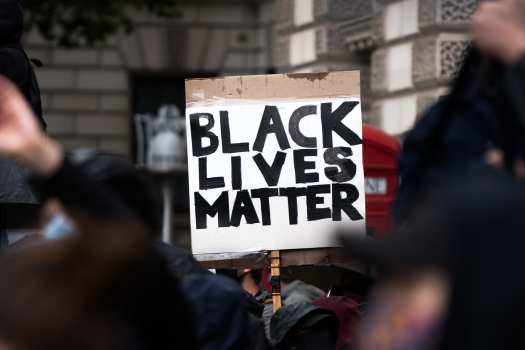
[(277, 175)]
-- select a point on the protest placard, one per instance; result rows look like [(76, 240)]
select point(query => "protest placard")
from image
[(275, 162)]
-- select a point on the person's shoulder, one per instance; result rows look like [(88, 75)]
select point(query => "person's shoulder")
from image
[(179, 261), (7, 55), (13, 53), (13, 64), (170, 248)]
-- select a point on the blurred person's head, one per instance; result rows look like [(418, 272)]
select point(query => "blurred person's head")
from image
[(407, 309), (285, 282), (409, 302), (498, 29), (11, 22), (220, 320), (432, 289), (133, 186), (358, 290), (64, 294), (350, 320), (304, 326)]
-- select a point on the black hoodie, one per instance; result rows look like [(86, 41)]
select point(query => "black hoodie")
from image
[(14, 65), (13, 62)]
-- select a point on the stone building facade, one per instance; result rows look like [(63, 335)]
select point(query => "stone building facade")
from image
[(415, 63), (408, 51), (90, 94), (310, 39)]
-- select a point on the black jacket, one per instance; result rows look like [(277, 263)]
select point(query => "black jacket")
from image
[(179, 262), (14, 177), (13, 62)]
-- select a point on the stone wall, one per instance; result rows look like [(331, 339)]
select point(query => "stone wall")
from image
[(326, 49), (411, 70), (87, 92)]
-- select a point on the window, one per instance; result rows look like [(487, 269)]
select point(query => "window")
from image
[(399, 114), (400, 67), (303, 12), (401, 19), (302, 47)]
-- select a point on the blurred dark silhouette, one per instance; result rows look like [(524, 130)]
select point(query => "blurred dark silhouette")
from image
[(357, 290), (259, 300), (294, 291), (58, 294), (14, 62), (304, 326), (141, 195), (462, 198), (219, 314), (350, 320)]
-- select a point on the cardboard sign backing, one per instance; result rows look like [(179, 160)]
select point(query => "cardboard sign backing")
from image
[(246, 158)]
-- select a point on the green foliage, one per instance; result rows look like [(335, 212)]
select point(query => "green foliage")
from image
[(73, 23)]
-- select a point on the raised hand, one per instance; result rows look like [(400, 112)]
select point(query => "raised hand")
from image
[(499, 29), (20, 135)]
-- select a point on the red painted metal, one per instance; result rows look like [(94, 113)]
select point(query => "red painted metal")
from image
[(380, 153)]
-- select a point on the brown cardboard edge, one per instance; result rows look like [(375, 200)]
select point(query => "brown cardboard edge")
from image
[(289, 258), (274, 86)]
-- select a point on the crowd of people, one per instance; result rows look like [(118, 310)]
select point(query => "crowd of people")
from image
[(449, 277)]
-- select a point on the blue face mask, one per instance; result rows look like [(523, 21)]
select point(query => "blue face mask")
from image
[(59, 227)]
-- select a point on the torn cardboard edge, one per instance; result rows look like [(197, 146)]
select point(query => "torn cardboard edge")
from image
[(289, 258), (219, 101), (275, 86)]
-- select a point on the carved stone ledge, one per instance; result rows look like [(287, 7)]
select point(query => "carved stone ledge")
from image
[(374, 116), (378, 26), (284, 14), (320, 8), (321, 41), (281, 54), (428, 13), (356, 7), (424, 102), (424, 61), (336, 42), (457, 11), (378, 75), (452, 54)]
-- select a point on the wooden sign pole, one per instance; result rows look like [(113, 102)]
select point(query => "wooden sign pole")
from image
[(276, 279)]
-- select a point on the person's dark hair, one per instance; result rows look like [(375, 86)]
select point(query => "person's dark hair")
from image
[(238, 275), (257, 275), (287, 279), (301, 316), (63, 294), (134, 186), (360, 286), (12, 22)]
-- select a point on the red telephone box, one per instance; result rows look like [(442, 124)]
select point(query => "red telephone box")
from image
[(380, 153)]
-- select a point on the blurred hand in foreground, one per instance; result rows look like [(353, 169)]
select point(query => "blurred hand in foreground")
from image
[(499, 29), (20, 135)]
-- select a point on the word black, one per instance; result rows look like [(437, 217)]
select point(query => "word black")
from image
[(271, 123)]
